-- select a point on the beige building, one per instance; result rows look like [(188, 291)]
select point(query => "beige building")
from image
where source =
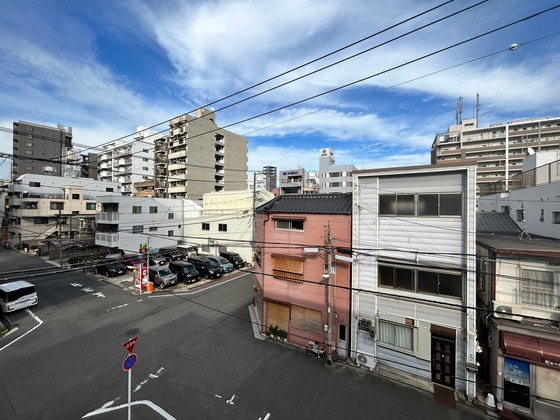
[(498, 150), (227, 222), (198, 157), (46, 207)]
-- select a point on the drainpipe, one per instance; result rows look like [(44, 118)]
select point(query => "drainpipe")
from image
[(328, 277)]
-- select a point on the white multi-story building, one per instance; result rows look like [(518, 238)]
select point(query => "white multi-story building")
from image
[(532, 199), (413, 240), (123, 223), (333, 177), (43, 207), (128, 163)]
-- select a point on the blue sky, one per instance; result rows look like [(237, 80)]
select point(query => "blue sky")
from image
[(106, 67)]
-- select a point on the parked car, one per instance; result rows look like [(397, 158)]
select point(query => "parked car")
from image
[(157, 259), (162, 277), (234, 258), (222, 262), (185, 271), (110, 268), (207, 268), (170, 254), (131, 260)]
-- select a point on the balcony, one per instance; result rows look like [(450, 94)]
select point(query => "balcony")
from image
[(110, 240), (107, 217), (538, 297)]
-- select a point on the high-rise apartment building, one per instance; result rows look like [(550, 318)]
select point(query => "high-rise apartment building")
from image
[(270, 175), (334, 178), (128, 163), (41, 150), (498, 151), (199, 157)]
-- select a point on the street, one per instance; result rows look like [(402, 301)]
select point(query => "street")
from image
[(197, 359)]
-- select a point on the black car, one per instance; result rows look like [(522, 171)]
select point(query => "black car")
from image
[(234, 258), (171, 254), (110, 268), (185, 271), (207, 268)]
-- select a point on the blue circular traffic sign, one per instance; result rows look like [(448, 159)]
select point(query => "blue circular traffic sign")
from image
[(129, 361)]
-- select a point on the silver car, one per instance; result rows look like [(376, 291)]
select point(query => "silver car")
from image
[(222, 262), (162, 277)]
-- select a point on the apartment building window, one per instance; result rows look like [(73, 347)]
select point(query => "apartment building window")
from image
[(434, 282), (205, 226), (521, 215), (540, 288), (282, 224), (90, 206), (170, 215), (29, 144), (29, 128), (57, 205), (222, 227), (396, 204), (75, 196), (153, 229), (145, 151), (396, 335), (136, 209), (138, 229), (145, 159), (287, 268), (29, 152), (153, 209), (556, 217), (109, 189), (169, 233), (34, 184), (144, 168)]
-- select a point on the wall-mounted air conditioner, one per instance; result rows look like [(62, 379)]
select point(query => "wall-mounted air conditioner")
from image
[(366, 360), (507, 312)]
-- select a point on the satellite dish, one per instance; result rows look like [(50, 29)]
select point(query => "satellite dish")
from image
[(531, 151)]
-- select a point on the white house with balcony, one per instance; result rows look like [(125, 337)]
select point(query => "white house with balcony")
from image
[(518, 289), (44, 207), (123, 223), (413, 275)]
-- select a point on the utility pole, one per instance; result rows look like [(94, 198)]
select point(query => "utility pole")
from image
[(60, 233), (329, 296)]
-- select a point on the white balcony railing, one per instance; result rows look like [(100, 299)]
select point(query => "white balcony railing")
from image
[(106, 217), (538, 297), (107, 239)]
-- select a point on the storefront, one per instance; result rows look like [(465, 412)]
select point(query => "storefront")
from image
[(528, 373)]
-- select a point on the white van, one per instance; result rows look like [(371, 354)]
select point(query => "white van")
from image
[(187, 250), (17, 295)]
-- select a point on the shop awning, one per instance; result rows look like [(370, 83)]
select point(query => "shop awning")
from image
[(531, 348)]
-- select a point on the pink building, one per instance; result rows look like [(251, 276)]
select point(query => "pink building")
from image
[(292, 265)]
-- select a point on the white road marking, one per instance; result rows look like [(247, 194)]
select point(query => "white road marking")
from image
[(230, 401), (150, 404), (150, 376), (99, 294), (265, 417), (40, 322), (76, 284), (217, 396), (117, 307), (88, 289), (202, 288)]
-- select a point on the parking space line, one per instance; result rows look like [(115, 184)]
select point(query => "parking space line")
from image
[(202, 288), (150, 404), (40, 322)]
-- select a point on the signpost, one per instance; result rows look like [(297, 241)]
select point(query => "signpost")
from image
[(127, 365)]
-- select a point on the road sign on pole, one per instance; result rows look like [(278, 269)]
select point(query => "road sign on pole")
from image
[(129, 345), (129, 361)]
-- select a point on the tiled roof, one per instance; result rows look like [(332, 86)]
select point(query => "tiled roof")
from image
[(496, 223), (335, 203)]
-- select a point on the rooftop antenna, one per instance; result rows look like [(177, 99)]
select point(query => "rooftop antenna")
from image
[(523, 230), (459, 110)]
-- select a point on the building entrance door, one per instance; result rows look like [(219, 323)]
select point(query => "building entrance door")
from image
[(342, 346), (443, 360)]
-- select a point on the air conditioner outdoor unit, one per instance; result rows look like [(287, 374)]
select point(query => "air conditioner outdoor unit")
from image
[(507, 312), (365, 360)]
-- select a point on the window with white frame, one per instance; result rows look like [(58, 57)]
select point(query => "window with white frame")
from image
[(556, 217), (222, 227), (137, 229), (396, 335), (153, 209), (540, 289), (205, 226), (283, 224)]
